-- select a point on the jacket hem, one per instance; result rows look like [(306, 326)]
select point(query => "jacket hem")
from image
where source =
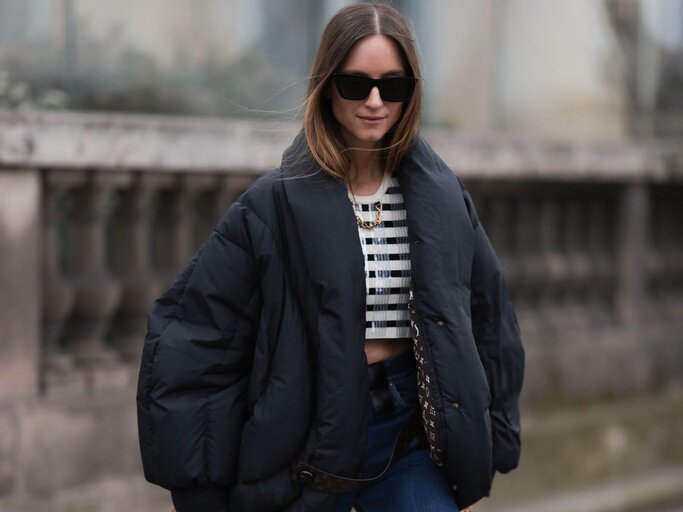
[(200, 499)]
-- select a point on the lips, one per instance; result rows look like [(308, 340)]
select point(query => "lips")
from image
[(369, 118)]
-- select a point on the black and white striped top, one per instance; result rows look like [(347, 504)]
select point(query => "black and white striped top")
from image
[(387, 261)]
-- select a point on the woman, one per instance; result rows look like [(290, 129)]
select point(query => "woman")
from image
[(344, 337)]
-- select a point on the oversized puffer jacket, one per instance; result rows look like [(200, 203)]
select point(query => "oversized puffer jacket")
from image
[(254, 356)]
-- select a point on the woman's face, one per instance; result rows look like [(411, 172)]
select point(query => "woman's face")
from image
[(364, 122)]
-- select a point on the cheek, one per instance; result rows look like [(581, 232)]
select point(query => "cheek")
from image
[(396, 112), (341, 110)]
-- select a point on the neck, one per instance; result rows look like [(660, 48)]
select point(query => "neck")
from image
[(367, 166)]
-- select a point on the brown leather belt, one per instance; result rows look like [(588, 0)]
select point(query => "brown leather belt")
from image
[(323, 481)]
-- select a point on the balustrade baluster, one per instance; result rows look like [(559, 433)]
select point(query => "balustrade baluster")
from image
[(212, 202), (492, 215), (203, 189), (671, 250), (500, 226), (527, 234), (575, 242), (97, 292), (552, 268), (132, 264), (551, 230), (632, 243), (599, 306), (59, 373), (634, 209), (173, 231), (573, 250)]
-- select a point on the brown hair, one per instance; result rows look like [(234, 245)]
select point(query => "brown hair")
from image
[(321, 130)]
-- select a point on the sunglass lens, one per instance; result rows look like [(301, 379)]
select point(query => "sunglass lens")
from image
[(398, 88), (352, 87)]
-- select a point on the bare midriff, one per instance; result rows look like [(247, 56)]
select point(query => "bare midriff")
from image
[(379, 349)]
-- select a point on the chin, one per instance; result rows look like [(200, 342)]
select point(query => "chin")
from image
[(364, 137), (370, 137)]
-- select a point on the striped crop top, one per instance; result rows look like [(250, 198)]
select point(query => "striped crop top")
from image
[(387, 261)]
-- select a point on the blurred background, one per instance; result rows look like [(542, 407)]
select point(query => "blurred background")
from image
[(127, 128), (595, 69)]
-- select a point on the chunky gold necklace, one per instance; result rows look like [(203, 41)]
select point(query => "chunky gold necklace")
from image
[(378, 211), (378, 217)]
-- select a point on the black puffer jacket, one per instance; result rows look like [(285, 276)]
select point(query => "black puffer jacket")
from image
[(254, 357)]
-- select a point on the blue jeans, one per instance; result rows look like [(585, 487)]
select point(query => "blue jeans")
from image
[(413, 483)]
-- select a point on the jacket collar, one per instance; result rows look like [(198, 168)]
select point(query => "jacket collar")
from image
[(322, 205)]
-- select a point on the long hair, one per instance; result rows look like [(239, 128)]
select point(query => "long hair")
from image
[(321, 129)]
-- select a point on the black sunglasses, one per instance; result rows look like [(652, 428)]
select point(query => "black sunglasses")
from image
[(358, 87)]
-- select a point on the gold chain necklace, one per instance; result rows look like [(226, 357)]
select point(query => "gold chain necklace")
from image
[(378, 211), (378, 217)]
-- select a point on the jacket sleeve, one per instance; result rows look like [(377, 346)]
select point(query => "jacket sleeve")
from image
[(496, 334), (194, 369)]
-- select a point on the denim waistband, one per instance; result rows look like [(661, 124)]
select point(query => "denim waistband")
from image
[(382, 401), (396, 364)]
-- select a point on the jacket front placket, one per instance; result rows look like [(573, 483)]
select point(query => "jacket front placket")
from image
[(433, 420), (426, 390)]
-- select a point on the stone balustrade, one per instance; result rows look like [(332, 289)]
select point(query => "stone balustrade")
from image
[(98, 213), (589, 236), (114, 242)]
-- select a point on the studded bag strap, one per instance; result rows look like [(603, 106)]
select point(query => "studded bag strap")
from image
[(425, 391)]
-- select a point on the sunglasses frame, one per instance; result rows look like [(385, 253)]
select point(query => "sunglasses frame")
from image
[(380, 83)]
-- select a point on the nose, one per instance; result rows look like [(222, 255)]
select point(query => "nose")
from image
[(374, 99)]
